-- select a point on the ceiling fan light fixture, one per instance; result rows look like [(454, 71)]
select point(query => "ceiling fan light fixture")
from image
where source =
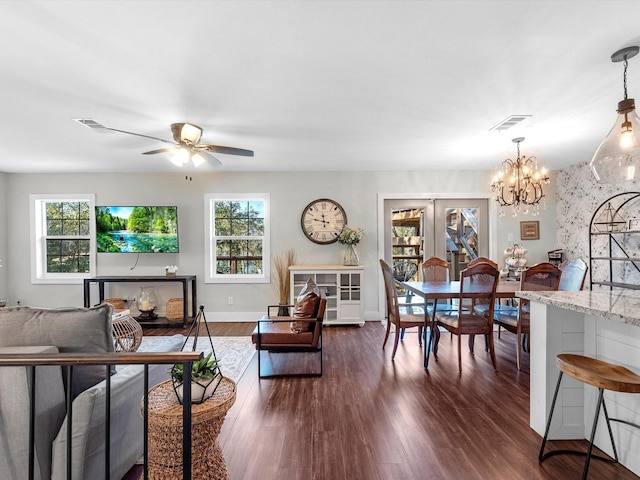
[(197, 159), (618, 155), (180, 157), (186, 133)]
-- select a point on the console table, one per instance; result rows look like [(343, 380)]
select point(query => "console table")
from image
[(185, 280)]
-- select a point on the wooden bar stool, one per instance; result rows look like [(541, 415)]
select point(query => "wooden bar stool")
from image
[(603, 376)]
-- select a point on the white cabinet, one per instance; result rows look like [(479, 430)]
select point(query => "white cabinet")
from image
[(340, 284)]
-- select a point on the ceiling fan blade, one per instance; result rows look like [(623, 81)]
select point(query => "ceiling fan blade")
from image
[(227, 150), (162, 150), (138, 135)]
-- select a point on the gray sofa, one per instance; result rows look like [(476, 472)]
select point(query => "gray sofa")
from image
[(36, 330)]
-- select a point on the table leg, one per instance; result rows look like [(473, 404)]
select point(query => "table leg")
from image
[(428, 343)]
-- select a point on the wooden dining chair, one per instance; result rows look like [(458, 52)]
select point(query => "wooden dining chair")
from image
[(393, 310), (543, 276), (574, 273), (403, 271), (477, 260), (480, 280)]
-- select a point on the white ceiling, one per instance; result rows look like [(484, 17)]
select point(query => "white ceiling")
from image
[(311, 85)]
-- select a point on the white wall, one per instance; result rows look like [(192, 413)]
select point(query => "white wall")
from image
[(357, 192), (3, 236)]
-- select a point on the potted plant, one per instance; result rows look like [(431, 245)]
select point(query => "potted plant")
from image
[(205, 378), (350, 237)]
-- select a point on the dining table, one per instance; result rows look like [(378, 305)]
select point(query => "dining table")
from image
[(449, 290)]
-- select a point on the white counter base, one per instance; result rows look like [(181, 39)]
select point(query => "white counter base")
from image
[(555, 330)]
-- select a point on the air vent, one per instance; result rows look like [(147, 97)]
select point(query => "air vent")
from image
[(509, 122), (88, 122)]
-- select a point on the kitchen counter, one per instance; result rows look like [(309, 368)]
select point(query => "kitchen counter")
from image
[(619, 306), (602, 325)]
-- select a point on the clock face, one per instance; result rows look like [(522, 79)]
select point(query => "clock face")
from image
[(322, 221)]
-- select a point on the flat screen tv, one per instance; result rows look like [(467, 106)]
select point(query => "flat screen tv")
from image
[(149, 229)]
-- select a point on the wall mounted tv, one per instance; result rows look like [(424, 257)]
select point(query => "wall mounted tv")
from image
[(150, 229)]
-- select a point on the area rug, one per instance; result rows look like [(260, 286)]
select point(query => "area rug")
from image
[(233, 353)]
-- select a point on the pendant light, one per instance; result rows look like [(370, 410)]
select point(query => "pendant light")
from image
[(520, 184), (618, 156)]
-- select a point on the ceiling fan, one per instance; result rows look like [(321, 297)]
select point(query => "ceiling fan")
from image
[(186, 146)]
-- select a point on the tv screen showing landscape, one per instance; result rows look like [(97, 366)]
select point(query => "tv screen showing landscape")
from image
[(137, 229)]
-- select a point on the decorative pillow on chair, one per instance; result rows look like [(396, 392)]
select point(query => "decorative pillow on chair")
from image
[(306, 307)]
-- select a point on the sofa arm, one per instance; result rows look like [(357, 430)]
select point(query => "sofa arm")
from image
[(14, 415)]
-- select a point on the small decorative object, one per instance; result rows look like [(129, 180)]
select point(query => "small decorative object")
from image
[(170, 270), (281, 263), (515, 261), (205, 373), (147, 303), (609, 220), (350, 237), (530, 230)]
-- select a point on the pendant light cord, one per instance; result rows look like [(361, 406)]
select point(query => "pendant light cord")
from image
[(624, 78)]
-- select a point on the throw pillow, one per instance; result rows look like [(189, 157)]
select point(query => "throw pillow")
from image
[(72, 330), (306, 307)]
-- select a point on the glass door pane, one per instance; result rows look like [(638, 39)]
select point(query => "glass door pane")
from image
[(462, 232)]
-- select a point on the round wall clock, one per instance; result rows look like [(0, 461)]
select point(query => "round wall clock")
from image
[(322, 221)]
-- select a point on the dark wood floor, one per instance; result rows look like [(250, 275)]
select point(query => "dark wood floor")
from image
[(369, 417)]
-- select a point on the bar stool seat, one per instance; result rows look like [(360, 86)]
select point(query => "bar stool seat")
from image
[(603, 376)]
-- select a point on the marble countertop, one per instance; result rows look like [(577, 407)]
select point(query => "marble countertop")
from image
[(620, 306)]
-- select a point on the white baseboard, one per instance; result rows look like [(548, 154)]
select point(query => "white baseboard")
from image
[(254, 316)]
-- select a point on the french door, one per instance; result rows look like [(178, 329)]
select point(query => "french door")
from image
[(416, 229)]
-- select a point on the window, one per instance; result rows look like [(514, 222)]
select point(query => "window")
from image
[(237, 243), (62, 238)]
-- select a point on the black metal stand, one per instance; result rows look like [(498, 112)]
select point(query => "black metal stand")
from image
[(200, 318)]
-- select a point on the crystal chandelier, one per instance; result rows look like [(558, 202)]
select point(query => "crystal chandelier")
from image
[(618, 156), (519, 184)]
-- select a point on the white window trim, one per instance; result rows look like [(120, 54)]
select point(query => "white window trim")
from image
[(39, 274), (210, 275)]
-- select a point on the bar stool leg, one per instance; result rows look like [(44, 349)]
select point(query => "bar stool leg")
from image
[(541, 455), (606, 416), (588, 454), (593, 433)]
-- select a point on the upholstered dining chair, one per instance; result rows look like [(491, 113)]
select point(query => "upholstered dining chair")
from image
[(481, 281), (574, 273), (543, 276), (393, 310)]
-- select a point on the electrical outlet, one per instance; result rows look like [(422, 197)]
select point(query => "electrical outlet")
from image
[(230, 300), (509, 237)]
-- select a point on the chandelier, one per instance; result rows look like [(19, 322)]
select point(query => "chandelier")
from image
[(618, 156), (519, 184)]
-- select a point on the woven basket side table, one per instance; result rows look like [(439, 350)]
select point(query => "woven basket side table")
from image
[(165, 433)]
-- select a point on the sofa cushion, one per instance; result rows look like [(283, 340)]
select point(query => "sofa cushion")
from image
[(14, 415), (306, 307), (72, 330)]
